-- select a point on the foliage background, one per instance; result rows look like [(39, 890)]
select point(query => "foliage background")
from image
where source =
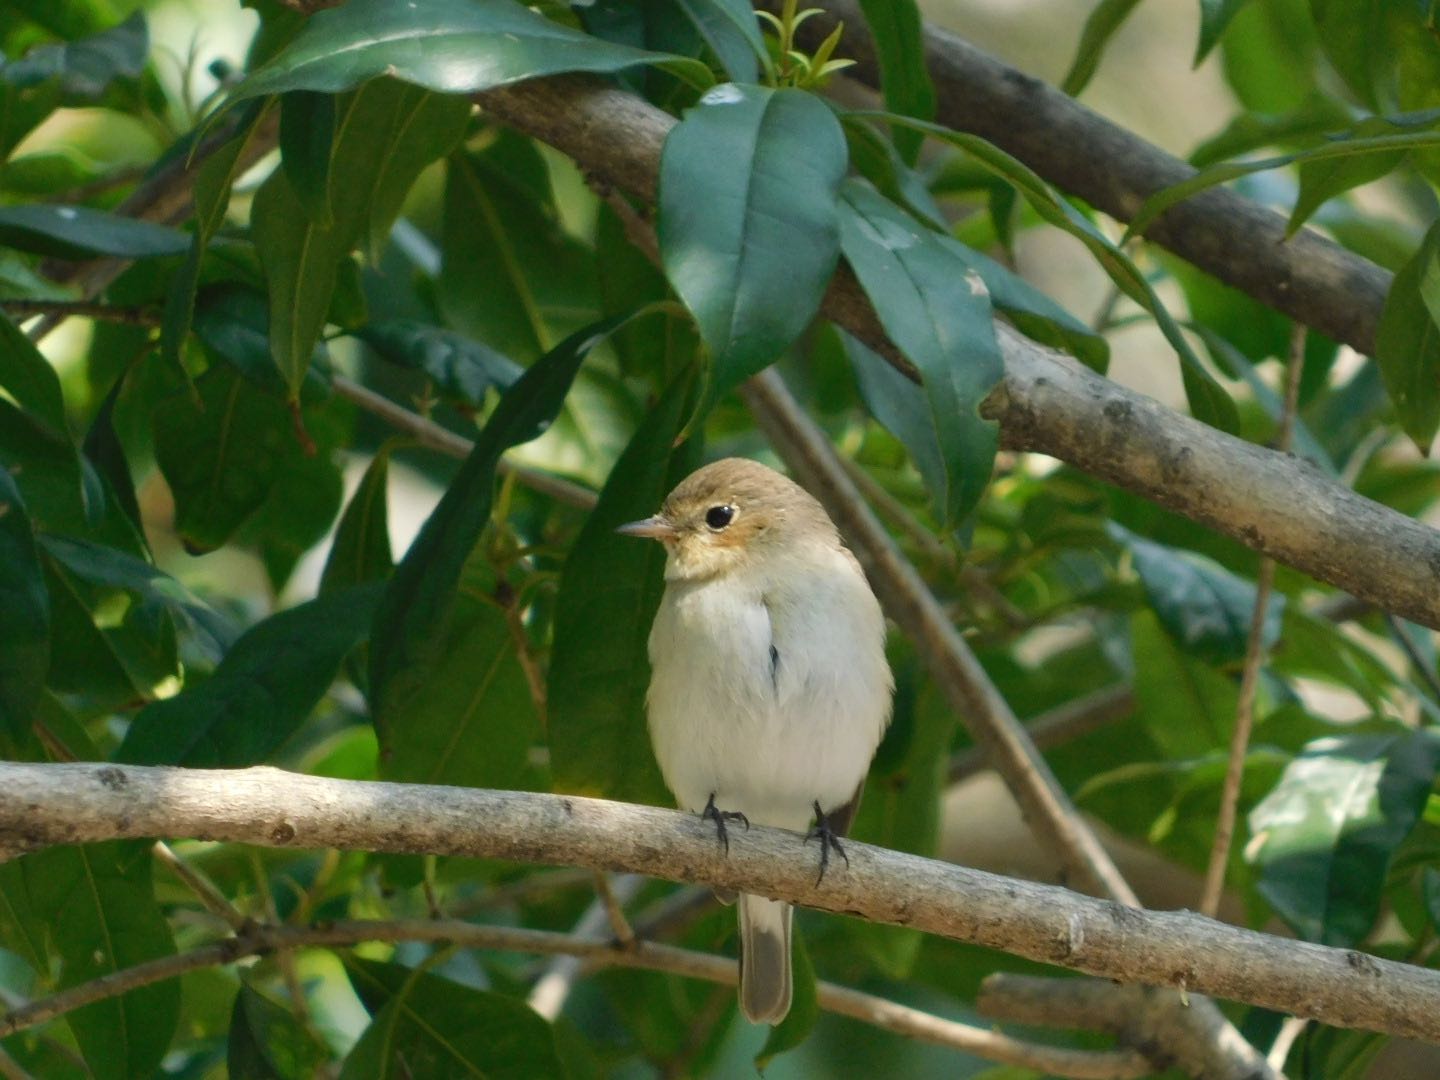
[(205, 478)]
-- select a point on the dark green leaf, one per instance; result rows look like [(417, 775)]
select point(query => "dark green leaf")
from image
[(462, 368), (1407, 343), (599, 667), (1105, 18), (1322, 180), (425, 1025), (28, 376), (510, 276), (452, 46), (99, 907), (747, 222), (1215, 16), (308, 129), (25, 627), (296, 515), (84, 68), (410, 624), (105, 452), (1324, 837), (1205, 607), (731, 30), (938, 313), (261, 693), (804, 1008), (899, 34), (266, 1042), (78, 232), (361, 551), (1187, 706)]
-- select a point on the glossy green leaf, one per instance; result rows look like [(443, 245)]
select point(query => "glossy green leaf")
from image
[(261, 693), (899, 33), (266, 1042), (1324, 837), (1187, 706), (1215, 17), (426, 1025), (410, 624), (804, 1008), (1105, 18), (28, 377), (451, 46), (611, 587), (308, 129), (361, 550), (25, 629), (78, 232), (747, 222), (388, 133), (731, 30), (472, 721), (510, 275), (1205, 607), (99, 908), (938, 313), (1407, 343), (461, 368)]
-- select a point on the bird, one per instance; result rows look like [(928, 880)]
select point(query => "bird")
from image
[(769, 689)]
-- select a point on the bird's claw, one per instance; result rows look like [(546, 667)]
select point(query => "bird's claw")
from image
[(720, 817), (828, 842)]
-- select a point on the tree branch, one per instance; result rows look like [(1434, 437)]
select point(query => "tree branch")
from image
[(1273, 502), (66, 804), (1307, 277), (1056, 727)]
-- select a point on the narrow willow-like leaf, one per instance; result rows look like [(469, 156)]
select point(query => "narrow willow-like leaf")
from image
[(747, 222), (78, 232), (600, 667), (1407, 344), (361, 550), (731, 30), (899, 34), (1104, 20)]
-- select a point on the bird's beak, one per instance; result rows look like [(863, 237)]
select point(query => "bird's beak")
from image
[(655, 528)]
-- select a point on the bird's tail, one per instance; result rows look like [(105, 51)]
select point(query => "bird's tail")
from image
[(764, 959)]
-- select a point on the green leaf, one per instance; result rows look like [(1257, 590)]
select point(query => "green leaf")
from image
[(610, 589), (938, 313), (361, 550), (425, 1025), (261, 693), (1407, 343), (388, 133), (451, 46), (747, 222), (410, 623), (83, 68), (1187, 706), (510, 275), (1324, 837), (899, 34), (472, 721), (25, 629), (1205, 607), (804, 1007), (296, 515), (731, 30), (79, 232), (308, 129), (1104, 20), (99, 909), (266, 1042), (103, 449), (28, 376), (461, 368), (1215, 16)]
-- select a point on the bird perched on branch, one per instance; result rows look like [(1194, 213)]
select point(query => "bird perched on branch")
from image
[(769, 689)]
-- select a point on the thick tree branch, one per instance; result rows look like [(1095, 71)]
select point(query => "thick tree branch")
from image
[(1269, 501), (1307, 277), (42, 805)]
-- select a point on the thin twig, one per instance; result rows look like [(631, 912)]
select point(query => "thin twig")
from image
[(285, 957), (614, 907), (1407, 646), (1254, 657), (11, 1069), (552, 989), (878, 1012), (85, 309), (213, 900)]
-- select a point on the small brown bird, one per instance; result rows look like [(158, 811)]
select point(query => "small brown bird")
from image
[(769, 690)]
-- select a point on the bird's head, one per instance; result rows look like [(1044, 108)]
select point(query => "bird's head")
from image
[(730, 516)]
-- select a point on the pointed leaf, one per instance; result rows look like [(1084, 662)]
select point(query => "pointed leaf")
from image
[(78, 232), (266, 1042), (899, 34), (28, 376), (731, 30), (1105, 18), (461, 367), (938, 313), (361, 551), (261, 693), (451, 46), (747, 222), (1215, 16), (1407, 344), (610, 589), (25, 628)]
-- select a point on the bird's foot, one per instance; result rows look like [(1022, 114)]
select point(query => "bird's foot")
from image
[(720, 817), (829, 841)]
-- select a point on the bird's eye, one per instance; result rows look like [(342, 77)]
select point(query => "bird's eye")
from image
[(717, 517)]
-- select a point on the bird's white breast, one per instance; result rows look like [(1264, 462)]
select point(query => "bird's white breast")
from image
[(769, 738)]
